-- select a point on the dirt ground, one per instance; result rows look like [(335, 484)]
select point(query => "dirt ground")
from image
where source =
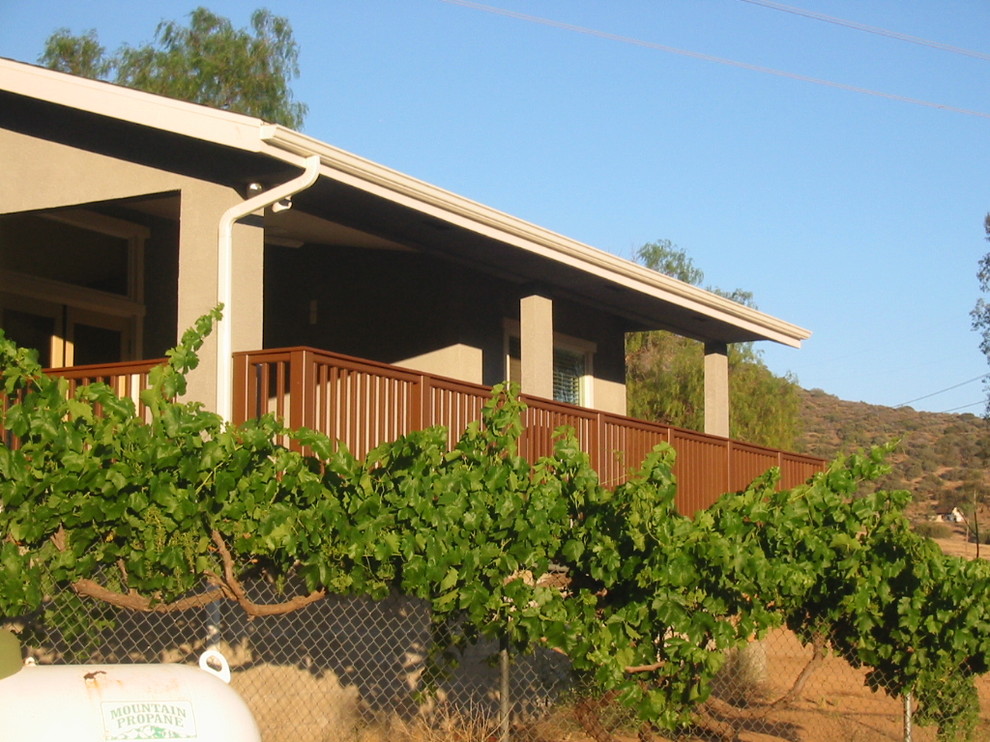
[(836, 703), (836, 706), (958, 545)]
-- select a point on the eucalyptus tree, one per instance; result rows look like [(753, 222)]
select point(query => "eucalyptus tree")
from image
[(666, 371), (209, 62)]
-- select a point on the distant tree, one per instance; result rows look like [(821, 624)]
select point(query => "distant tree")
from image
[(208, 62), (78, 55), (666, 372), (663, 256), (981, 312)]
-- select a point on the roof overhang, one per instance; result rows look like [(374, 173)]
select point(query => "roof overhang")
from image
[(431, 217)]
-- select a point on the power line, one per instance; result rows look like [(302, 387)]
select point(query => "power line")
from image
[(709, 58), (963, 407), (870, 29), (948, 388)]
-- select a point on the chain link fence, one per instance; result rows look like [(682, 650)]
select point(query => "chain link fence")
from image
[(352, 670)]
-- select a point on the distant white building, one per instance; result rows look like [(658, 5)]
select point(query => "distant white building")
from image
[(950, 516)]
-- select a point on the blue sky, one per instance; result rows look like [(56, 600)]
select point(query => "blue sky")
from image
[(857, 216)]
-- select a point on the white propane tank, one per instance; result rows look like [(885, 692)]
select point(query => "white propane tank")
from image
[(99, 703)]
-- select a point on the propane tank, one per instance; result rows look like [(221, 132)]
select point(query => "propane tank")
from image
[(101, 703)]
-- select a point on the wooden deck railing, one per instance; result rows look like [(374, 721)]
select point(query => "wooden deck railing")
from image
[(364, 403), (127, 378)]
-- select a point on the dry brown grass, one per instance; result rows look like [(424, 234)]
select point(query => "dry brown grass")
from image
[(292, 705), (443, 725)]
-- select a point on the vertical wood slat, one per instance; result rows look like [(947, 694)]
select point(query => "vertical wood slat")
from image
[(747, 462), (625, 445), (701, 468), (241, 389)]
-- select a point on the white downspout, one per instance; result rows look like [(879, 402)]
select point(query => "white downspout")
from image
[(225, 258)]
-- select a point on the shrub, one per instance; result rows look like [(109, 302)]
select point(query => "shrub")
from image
[(932, 529)]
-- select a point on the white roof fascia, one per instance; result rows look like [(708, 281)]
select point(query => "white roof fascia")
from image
[(134, 106), (254, 135)]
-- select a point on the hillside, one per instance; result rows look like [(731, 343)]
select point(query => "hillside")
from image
[(940, 459)]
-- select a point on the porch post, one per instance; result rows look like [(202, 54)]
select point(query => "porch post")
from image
[(536, 345), (717, 389)]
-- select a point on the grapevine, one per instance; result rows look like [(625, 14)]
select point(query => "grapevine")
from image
[(141, 514)]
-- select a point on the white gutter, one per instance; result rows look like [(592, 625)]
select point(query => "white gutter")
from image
[(225, 260)]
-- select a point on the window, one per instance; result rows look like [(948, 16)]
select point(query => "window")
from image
[(568, 375), (572, 365)]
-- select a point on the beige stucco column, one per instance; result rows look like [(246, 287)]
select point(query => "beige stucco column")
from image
[(717, 389), (249, 286), (202, 206), (536, 345)]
